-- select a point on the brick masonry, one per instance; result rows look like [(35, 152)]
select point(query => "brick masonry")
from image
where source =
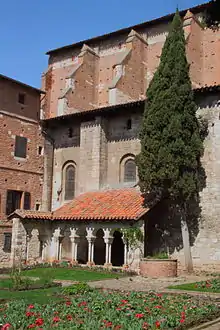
[(23, 174), (117, 70)]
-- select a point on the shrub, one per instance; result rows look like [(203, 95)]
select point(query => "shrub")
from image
[(79, 288)]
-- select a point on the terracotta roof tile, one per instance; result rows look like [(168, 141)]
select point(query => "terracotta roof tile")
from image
[(120, 204)]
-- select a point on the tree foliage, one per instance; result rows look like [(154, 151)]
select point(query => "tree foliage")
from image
[(171, 144), (212, 15)]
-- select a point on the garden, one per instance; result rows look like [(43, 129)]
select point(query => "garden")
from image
[(211, 285), (80, 307)]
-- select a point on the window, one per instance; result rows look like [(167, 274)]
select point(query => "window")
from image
[(69, 182), (20, 147), (70, 132), (27, 201), (130, 171), (13, 201), (129, 123), (7, 242), (21, 98), (37, 206), (40, 150)]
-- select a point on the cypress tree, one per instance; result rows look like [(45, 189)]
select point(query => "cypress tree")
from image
[(171, 145)]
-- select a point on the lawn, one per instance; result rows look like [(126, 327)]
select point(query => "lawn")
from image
[(42, 296), (93, 309), (74, 274), (212, 285)]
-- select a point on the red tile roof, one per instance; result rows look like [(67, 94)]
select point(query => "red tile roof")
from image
[(121, 204)]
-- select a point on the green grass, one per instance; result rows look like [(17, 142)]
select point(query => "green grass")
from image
[(192, 287), (69, 274), (42, 296)]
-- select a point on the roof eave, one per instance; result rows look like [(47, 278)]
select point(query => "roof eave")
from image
[(195, 9)]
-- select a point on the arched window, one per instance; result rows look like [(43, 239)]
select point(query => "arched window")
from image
[(69, 191), (130, 171)]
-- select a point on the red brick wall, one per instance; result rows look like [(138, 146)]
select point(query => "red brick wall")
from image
[(133, 81), (84, 94), (20, 174), (9, 91)]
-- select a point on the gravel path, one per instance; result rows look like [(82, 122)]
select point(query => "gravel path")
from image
[(138, 283)]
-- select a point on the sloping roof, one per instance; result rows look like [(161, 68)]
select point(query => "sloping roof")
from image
[(118, 204), (106, 36), (22, 84), (28, 214)]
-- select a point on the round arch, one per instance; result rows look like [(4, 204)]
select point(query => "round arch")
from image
[(128, 169), (68, 180)]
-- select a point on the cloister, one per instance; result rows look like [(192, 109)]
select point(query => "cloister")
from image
[(86, 231)]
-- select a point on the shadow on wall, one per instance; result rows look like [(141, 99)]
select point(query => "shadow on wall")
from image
[(163, 222)]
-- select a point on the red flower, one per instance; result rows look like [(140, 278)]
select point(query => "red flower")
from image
[(56, 319), (6, 326), (159, 295), (139, 316), (183, 315), (68, 303), (158, 307), (31, 306), (31, 326), (108, 324), (69, 317), (124, 301), (29, 314), (157, 323), (117, 327), (118, 309), (39, 321), (83, 303), (182, 321)]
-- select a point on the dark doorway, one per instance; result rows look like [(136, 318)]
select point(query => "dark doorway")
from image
[(117, 249), (99, 248), (82, 250)]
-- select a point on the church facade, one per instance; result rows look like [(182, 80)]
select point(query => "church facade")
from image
[(91, 115)]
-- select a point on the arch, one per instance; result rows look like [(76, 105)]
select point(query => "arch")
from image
[(117, 249), (82, 251), (128, 169), (69, 181), (99, 248)]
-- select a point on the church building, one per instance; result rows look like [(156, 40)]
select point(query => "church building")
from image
[(90, 119)]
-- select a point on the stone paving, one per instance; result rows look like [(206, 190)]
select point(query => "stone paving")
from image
[(138, 283)]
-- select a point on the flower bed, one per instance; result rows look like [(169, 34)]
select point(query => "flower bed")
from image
[(93, 309), (212, 285)]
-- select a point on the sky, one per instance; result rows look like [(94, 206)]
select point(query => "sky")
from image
[(29, 28)]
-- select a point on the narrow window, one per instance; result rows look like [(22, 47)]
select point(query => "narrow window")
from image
[(130, 171), (20, 146), (70, 132), (129, 123), (27, 201), (7, 242), (21, 98), (69, 182), (13, 201), (40, 151), (37, 206)]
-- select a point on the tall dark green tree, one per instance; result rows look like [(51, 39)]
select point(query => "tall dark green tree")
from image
[(171, 146)]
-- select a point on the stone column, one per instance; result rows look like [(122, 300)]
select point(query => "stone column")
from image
[(75, 242), (55, 245), (108, 248), (125, 253), (91, 239), (28, 238), (43, 239)]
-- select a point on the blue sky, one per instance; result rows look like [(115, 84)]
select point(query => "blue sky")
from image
[(29, 28)]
